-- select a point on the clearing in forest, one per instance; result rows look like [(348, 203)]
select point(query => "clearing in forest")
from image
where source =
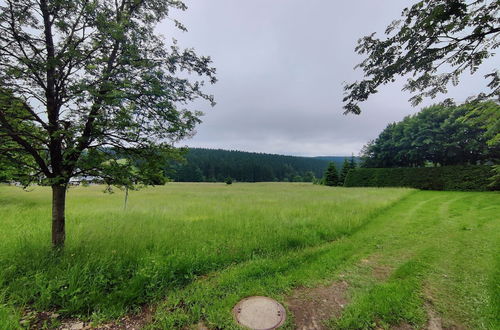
[(189, 252)]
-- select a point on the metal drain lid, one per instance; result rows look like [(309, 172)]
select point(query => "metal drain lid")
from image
[(259, 313)]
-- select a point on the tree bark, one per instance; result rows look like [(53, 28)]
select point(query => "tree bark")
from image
[(58, 215), (126, 199)]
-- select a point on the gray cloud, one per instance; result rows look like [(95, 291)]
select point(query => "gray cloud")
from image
[(281, 64)]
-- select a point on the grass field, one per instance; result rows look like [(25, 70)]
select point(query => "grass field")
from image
[(194, 250)]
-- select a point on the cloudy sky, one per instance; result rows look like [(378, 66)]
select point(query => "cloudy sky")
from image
[(281, 65)]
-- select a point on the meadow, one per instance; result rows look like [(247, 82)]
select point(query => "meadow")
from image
[(193, 250)]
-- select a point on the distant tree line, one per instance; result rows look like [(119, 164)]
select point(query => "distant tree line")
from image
[(439, 135), (216, 165)]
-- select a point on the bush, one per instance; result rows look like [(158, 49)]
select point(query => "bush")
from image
[(464, 178), (228, 180)]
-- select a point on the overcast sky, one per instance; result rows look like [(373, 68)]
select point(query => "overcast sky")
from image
[(280, 66)]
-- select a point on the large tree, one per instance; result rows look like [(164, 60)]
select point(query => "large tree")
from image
[(87, 84), (435, 41)]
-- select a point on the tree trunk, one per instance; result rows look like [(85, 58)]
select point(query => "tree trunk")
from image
[(58, 219), (126, 199)]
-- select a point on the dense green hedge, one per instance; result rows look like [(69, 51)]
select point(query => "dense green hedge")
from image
[(467, 178)]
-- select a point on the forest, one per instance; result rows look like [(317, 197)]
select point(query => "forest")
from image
[(439, 135), (216, 165)]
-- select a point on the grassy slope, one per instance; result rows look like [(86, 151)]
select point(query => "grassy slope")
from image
[(116, 260), (443, 248)]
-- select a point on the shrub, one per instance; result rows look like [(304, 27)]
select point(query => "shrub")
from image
[(465, 178)]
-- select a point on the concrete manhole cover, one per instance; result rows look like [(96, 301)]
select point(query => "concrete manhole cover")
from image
[(259, 313)]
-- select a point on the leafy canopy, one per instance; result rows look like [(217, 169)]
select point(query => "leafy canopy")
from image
[(442, 134), (90, 83), (435, 42)]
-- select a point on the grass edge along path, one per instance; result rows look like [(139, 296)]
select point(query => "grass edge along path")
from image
[(411, 236)]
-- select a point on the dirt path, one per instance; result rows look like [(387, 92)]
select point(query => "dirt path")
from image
[(311, 307)]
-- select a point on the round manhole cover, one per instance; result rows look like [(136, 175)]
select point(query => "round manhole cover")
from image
[(259, 313)]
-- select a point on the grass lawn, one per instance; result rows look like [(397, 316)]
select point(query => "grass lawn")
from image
[(194, 250)]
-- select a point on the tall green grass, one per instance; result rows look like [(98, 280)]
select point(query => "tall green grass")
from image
[(439, 250), (116, 259)]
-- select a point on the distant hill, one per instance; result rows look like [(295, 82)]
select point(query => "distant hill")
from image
[(335, 159), (214, 165)]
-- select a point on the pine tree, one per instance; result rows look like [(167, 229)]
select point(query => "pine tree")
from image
[(346, 167), (352, 163), (331, 175)]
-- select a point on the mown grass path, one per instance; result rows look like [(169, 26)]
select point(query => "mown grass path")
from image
[(193, 251), (441, 249), (445, 256)]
